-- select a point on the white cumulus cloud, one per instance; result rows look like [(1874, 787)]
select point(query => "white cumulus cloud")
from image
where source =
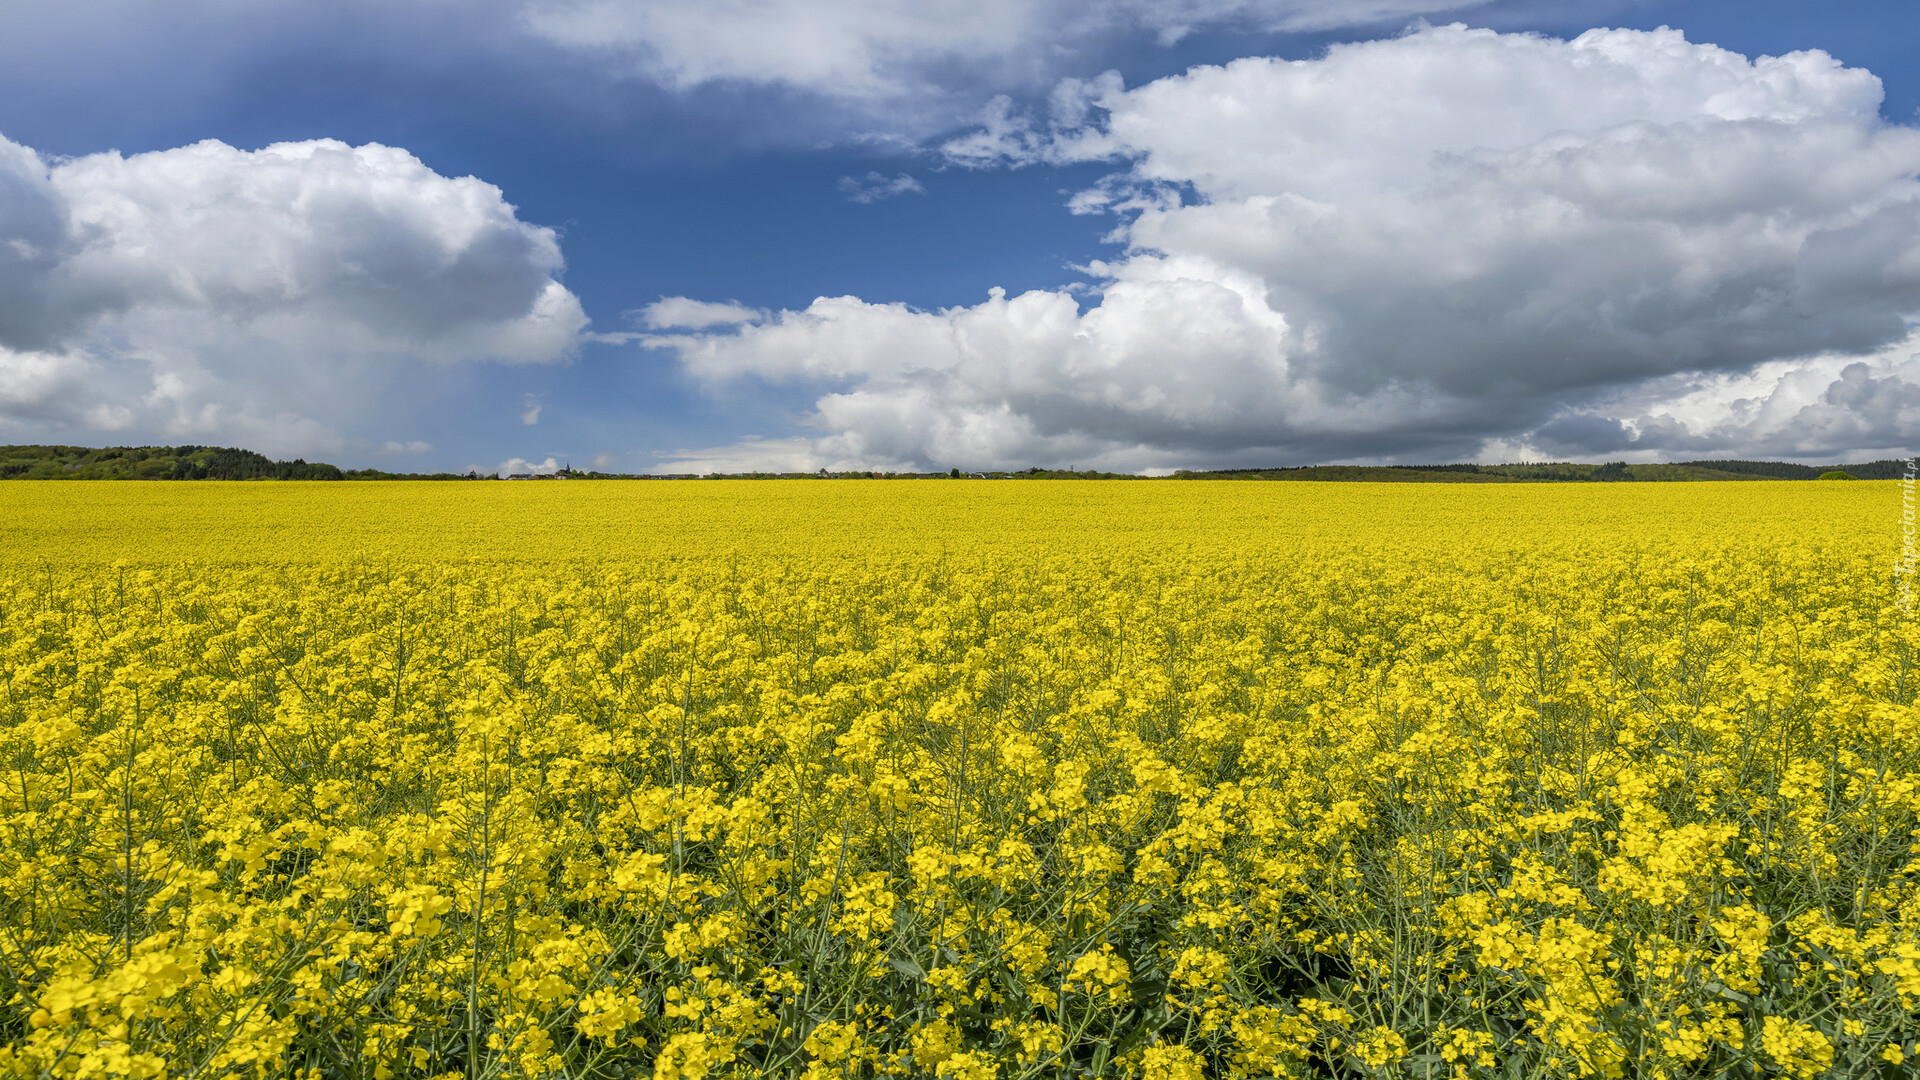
[(519, 466), (813, 70), (1421, 247), (1830, 407), (888, 53), (678, 312), (880, 49), (212, 292)]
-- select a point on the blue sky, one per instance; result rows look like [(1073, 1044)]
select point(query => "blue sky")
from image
[(1425, 243)]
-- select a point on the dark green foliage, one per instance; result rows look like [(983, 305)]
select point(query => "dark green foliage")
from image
[(376, 474), (1551, 471), (154, 463), (1477, 474), (233, 464), (1872, 470), (1877, 470), (1779, 469)]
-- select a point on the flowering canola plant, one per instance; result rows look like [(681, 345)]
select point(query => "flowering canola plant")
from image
[(964, 780)]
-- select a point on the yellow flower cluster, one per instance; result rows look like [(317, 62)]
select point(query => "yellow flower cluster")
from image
[(962, 780)]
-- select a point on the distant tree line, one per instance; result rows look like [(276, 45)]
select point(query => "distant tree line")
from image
[(44, 462), (231, 464), (1560, 471), (1872, 470), (39, 462)]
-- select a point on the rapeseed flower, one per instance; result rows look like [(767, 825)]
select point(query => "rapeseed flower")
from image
[(970, 781)]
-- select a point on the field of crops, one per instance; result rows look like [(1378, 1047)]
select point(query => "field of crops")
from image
[(956, 779)]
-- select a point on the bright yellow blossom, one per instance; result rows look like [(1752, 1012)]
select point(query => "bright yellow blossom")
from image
[(965, 780)]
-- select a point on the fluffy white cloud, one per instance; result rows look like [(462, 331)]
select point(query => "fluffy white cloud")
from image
[(34, 238), (1031, 379), (878, 49), (902, 69), (678, 312), (33, 381), (1423, 246), (1830, 407), (318, 245), (518, 466), (210, 292)]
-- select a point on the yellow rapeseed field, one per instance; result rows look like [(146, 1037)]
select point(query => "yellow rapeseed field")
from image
[(956, 779)]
